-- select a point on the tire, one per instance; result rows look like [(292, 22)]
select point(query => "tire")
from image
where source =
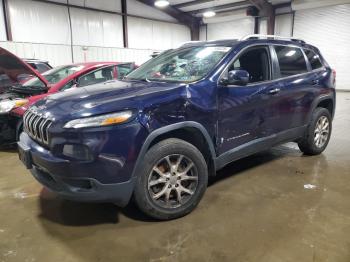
[(167, 176), (310, 145)]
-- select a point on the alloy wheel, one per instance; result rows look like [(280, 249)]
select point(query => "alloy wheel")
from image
[(321, 132), (172, 181)]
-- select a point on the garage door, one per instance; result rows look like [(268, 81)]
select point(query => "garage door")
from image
[(230, 30), (328, 28)]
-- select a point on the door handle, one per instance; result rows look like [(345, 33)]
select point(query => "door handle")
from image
[(274, 91)]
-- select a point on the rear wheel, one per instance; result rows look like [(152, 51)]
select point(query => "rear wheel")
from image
[(318, 133), (173, 179)]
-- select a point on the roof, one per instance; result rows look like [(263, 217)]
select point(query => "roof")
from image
[(266, 39)]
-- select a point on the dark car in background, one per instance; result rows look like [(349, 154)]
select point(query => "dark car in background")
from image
[(39, 65), (158, 134), (18, 94)]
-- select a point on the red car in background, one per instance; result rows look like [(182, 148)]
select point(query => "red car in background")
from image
[(16, 96)]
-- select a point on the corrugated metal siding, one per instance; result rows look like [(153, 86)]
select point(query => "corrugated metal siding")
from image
[(328, 28), (39, 22), (147, 34), (231, 30), (263, 26), (61, 54), (283, 25), (96, 28)]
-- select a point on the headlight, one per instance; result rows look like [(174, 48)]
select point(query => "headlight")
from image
[(104, 120), (8, 105)]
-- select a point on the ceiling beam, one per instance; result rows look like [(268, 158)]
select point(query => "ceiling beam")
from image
[(237, 5), (190, 3), (266, 10), (192, 22)]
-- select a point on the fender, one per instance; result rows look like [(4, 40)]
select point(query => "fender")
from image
[(319, 100), (163, 130), (19, 129)]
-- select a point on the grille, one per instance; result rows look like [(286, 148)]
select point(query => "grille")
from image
[(36, 126)]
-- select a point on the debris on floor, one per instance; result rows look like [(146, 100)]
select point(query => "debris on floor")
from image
[(309, 186)]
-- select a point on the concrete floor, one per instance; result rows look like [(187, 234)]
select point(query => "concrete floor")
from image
[(257, 210)]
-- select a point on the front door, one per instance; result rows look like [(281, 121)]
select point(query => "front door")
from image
[(244, 111)]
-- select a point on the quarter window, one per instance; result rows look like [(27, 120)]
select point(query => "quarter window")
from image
[(314, 59), (291, 60)]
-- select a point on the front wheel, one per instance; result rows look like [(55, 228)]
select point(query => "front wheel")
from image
[(172, 180), (318, 133)]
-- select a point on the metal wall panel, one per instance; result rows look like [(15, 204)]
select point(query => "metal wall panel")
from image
[(231, 30), (38, 22), (147, 34), (263, 26), (61, 54), (2, 24), (328, 28), (284, 25), (138, 56), (92, 28), (55, 54)]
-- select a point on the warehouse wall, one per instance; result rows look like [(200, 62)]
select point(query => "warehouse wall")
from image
[(284, 25), (42, 30), (230, 29), (328, 28), (150, 34)]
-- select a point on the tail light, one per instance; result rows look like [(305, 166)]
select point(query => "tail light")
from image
[(334, 76)]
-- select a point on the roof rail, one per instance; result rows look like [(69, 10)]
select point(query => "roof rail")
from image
[(259, 36)]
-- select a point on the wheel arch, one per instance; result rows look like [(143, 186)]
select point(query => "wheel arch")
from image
[(181, 130), (325, 101)]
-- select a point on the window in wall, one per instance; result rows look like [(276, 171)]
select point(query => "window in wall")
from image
[(313, 58), (256, 62), (291, 60)]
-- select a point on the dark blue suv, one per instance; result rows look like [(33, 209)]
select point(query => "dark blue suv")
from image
[(157, 135)]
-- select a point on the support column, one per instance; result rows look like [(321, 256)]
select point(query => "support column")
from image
[(125, 23), (7, 20)]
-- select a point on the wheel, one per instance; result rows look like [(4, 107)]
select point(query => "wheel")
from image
[(318, 133), (172, 180)]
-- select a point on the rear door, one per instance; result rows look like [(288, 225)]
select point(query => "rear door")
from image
[(297, 83)]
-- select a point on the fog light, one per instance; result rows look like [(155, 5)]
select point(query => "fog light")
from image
[(79, 152)]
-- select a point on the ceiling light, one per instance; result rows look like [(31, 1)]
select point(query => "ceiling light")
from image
[(161, 3), (209, 14)]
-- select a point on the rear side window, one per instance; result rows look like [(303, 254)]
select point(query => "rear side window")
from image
[(291, 60), (314, 59)]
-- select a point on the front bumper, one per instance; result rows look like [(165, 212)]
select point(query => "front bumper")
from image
[(85, 189), (107, 178)]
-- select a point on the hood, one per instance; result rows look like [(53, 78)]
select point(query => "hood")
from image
[(14, 71), (108, 97)]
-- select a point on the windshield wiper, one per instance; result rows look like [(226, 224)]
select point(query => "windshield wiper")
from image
[(28, 89)]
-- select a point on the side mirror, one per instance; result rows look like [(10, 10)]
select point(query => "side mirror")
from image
[(237, 77)]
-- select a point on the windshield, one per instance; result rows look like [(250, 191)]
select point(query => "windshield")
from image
[(53, 76), (181, 65)]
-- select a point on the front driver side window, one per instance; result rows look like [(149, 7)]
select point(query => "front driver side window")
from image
[(256, 62)]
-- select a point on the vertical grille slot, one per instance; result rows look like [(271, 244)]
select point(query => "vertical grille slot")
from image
[(36, 126)]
